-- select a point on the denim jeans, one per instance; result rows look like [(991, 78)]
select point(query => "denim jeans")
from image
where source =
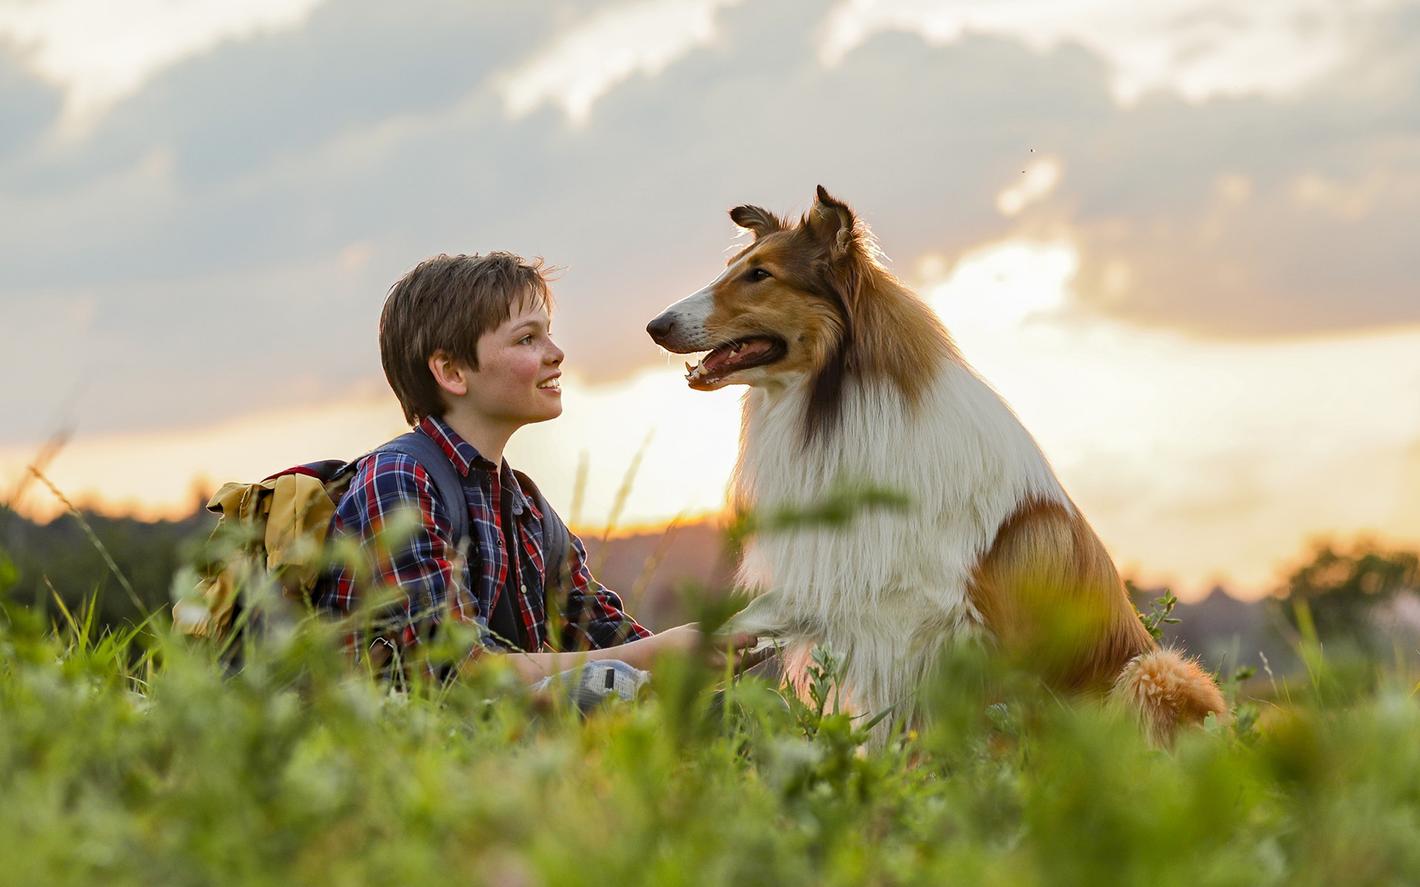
[(588, 684)]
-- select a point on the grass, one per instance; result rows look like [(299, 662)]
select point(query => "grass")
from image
[(130, 757), (133, 756)]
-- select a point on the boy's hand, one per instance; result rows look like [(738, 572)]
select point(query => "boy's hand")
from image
[(689, 639)]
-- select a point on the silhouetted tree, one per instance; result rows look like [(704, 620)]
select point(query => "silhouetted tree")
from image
[(1343, 589)]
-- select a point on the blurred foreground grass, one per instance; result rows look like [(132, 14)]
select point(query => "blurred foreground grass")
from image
[(129, 757)]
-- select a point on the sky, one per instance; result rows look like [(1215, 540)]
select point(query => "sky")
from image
[(1179, 237)]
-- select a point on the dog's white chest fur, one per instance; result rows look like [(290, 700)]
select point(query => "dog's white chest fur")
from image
[(888, 587)]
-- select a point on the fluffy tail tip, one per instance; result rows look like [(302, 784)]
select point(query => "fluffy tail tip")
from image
[(1167, 690)]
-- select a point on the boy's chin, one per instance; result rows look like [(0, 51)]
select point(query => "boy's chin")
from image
[(548, 414)]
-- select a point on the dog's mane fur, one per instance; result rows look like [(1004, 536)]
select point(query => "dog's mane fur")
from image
[(888, 332)]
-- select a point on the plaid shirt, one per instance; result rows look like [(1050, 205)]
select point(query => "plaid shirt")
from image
[(437, 583)]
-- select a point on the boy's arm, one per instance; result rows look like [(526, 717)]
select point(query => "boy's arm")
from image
[(595, 619), (641, 653), (593, 614)]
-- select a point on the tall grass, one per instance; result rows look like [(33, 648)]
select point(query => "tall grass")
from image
[(131, 757)]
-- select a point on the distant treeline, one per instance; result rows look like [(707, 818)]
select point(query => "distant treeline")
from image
[(60, 558)]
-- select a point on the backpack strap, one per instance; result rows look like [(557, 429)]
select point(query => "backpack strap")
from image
[(447, 483), (556, 538), (556, 543)]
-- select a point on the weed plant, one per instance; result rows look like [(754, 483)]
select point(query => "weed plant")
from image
[(133, 757)]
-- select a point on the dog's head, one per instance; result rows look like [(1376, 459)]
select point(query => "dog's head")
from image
[(782, 308), (807, 303)]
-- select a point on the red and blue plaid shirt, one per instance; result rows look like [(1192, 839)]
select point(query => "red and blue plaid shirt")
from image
[(437, 583)]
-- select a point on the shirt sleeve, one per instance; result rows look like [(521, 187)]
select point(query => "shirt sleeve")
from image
[(594, 617), (404, 537)]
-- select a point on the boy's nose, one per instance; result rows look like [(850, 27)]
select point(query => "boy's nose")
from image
[(661, 326)]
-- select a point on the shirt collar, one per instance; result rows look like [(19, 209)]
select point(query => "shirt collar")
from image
[(465, 456)]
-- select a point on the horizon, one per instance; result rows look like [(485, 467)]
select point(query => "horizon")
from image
[(595, 535)]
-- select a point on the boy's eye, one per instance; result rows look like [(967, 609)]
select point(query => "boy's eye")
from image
[(525, 339)]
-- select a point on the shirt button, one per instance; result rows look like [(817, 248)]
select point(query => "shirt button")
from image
[(523, 589)]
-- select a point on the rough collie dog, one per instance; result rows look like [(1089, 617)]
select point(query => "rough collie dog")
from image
[(854, 380)]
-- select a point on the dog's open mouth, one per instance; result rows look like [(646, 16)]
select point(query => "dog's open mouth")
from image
[(732, 357)]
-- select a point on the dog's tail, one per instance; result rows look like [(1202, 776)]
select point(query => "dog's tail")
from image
[(1167, 690)]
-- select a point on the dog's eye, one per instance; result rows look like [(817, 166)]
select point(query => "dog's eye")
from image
[(757, 274)]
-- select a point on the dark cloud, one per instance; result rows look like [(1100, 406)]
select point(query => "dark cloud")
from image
[(233, 227), (354, 65), (229, 128)]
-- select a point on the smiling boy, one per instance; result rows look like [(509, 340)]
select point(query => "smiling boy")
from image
[(466, 344)]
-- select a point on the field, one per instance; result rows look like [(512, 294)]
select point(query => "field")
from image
[(130, 757), (1095, 292)]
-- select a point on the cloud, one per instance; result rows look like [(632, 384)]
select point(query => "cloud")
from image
[(27, 105), (586, 60), (1194, 48), (1248, 218), (222, 202), (103, 52)]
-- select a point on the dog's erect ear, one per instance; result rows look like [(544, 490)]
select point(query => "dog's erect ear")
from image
[(833, 223), (757, 219)]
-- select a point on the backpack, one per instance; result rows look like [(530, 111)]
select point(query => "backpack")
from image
[(283, 522)]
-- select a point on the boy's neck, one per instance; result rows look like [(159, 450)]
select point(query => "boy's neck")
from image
[(488, 437)]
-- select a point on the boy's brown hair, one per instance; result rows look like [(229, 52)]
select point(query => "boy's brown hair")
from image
[(446, 303)]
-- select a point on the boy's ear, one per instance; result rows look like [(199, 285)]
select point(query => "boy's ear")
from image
[(450, 373)]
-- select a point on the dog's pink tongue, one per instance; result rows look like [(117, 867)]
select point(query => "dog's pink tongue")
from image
[(725, 358)]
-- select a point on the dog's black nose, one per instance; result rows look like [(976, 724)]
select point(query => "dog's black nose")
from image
[(661, 327)]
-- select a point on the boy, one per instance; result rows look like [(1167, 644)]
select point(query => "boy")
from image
[(466, 345)]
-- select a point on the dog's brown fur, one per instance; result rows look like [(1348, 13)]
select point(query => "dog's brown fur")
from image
[(1051, 596), (1047, 589)]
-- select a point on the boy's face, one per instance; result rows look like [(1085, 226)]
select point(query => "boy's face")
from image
[(518, 380)]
